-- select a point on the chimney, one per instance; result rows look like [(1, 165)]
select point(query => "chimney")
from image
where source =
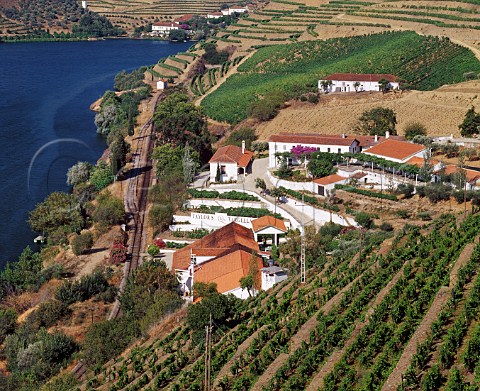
[(243, 146), (344, 135), (387, 134), (376, 138)]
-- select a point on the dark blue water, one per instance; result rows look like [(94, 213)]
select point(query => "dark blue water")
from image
[(45, 122)]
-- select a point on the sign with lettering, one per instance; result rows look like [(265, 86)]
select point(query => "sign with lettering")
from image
[(218, 219)]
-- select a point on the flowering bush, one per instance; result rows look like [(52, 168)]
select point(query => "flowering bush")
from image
[(118, 253), (300, 150), (159, 243)]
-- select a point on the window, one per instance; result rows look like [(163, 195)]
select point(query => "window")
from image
[(284, 147), (328, 149), (223, 170), (339, 150)]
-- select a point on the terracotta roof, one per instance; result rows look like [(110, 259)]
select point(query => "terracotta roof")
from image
[(472, 175), (312, 138), (361, 77), (184, 18), (328, 180), (416, 161), (359, 175), (232, 154), (224, 238), (395, 149), (226, 271), (268, 221)]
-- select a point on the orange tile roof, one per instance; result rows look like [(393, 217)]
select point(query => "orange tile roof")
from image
[(224, 238), (328, 180), (232, 154), (472, 175), (416, 161), (184, 18), (395, 149), (268, 221), (226, 271), (361, 77)]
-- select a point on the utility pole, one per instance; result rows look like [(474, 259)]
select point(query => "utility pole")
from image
[(193, 262), (303, 271), (208, 354)]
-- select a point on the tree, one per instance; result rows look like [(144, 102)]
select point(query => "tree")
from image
[(277, 193), (106, 118), (267, 107), (246, 134), (160, 216), (118, 149), (79, 173), (326, 85), (178, 121), (189, 164), (413, 129), (356, 85), (250, 281), (82, 243), (218, 174), (364, 220), (153, 250), (320, 164), (384, 85), (260, 184), (378, 121), (109, 210), (58, 210), (101, 176), (177, 35), (470, 124), (8, 320)]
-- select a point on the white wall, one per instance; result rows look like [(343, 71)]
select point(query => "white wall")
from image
[(348, 86), (230, 169), (195, 203), (269, 281), (298, 186)]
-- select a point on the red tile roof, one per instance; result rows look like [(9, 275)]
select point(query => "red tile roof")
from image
[(312, 138), (361, 77), (328, 180), (472, 175), (226, 271), (232, 154), (216, 243), (268, 221), (395, 149), (184, 18)]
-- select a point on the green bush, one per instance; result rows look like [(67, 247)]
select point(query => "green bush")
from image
[(83, 289), (8, 320), (109, 210), (48, 314), (367, 193), (101, 176), (82, 243)]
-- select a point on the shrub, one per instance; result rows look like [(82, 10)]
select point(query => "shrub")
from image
[(110, 209), (402, 213), (437, 192), (425, 216), (48, 314), (118, 253), (8, 320), (364, 219), (82, 243), (101, 176), (83, 289), (387, 227), (413, 129), (313, 98), (406, 189)]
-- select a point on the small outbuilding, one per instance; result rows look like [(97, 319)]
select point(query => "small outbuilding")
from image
[(327, 184), (269, 226), (272, 275), (162, 84), (229, 162)]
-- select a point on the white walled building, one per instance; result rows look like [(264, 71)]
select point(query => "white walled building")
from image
[(164, 28), (327, 184), (272, 275), (214, 15), (234, 9), (230, 161), (284, 142), (396, 151), (162, 84), (350, 82), (84, 4)]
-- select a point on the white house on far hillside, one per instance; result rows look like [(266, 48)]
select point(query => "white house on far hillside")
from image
[(346, 82), (163, 28), (229, 162)]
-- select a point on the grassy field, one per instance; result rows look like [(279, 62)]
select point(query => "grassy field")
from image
[(422, 63), (406, 308)]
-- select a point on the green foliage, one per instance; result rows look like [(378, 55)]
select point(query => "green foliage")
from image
[(109, 209), (378, 121), (320, 164), (83, 289), (179, 122), (243, 134), (59, 210), (160, 216), (229, 195), (128, 81), (170, 159), (101, 176), (413, 129), (267, 107), (367, 193), (92, 24), (48, 314), (79, 173), (8, 320), (407, 189), (82, 243), (63, 382), (213, 56), (471, 123), (423, 62), (177, 35), (118, 151), (364, 220)]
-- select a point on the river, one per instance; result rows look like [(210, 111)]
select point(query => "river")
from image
[(45, 122)]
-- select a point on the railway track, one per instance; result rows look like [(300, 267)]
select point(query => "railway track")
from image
[(135, 203)]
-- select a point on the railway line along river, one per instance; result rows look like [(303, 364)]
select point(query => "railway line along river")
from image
[(46, 125)]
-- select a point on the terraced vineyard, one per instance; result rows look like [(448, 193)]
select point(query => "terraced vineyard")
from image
[(423, 63), (346, 328)]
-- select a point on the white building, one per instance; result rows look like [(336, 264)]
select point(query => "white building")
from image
[(268, 226), (229, 162), (284, 142), (396, 151), (162, 84), (349, 82), (164, 28), (272, 275), (214, 15), (326, 184), (84, 4), (235, 9)]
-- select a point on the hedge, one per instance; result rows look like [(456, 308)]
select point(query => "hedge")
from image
[(367, 193)]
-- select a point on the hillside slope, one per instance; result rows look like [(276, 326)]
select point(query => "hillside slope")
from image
[(371, 307)]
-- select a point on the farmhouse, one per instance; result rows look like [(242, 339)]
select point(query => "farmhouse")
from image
[(223, 257), (327, 184), (396, 150), (229, 162), (284, 142), (235, 9), (163, 28), (348, 82), (214, 15), (162, 84)]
